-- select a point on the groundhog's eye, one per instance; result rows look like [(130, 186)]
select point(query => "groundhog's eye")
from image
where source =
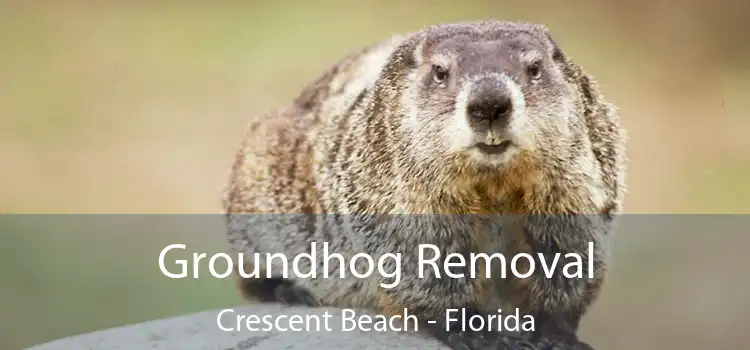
[(534, 69), (439, 73)]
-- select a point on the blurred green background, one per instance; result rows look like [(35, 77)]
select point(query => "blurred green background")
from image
[(137, 107)]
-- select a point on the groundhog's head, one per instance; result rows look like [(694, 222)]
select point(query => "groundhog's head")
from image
[(479, 94)]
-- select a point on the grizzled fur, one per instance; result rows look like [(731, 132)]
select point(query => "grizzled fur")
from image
[(379, 133)]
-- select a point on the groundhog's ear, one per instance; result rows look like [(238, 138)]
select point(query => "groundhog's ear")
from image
[(418, 50), (557, 53), (578, 77), (574, 74)]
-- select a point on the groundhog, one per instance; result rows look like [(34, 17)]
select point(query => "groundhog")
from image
[(475, 137)]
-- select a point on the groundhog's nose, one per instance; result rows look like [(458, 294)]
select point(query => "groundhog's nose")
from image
[(490, 100)]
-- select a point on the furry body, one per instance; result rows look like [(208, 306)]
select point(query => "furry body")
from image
[(381, 138)]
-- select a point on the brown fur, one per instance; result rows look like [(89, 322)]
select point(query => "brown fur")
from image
[(369, 136)]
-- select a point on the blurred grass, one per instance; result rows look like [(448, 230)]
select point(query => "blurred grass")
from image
[(137, 107), (89, 272)]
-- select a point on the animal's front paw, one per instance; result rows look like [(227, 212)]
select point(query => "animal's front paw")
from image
[(559, 327), (484, 341), (556, 332), (544, 343), (457, 339), (290, 294)]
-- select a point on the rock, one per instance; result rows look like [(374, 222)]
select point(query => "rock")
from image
[(200, 331)]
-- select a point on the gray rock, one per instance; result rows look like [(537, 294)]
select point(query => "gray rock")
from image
[(200, 331)]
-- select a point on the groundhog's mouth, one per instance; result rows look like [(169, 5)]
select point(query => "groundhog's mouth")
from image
[(494, 149)]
